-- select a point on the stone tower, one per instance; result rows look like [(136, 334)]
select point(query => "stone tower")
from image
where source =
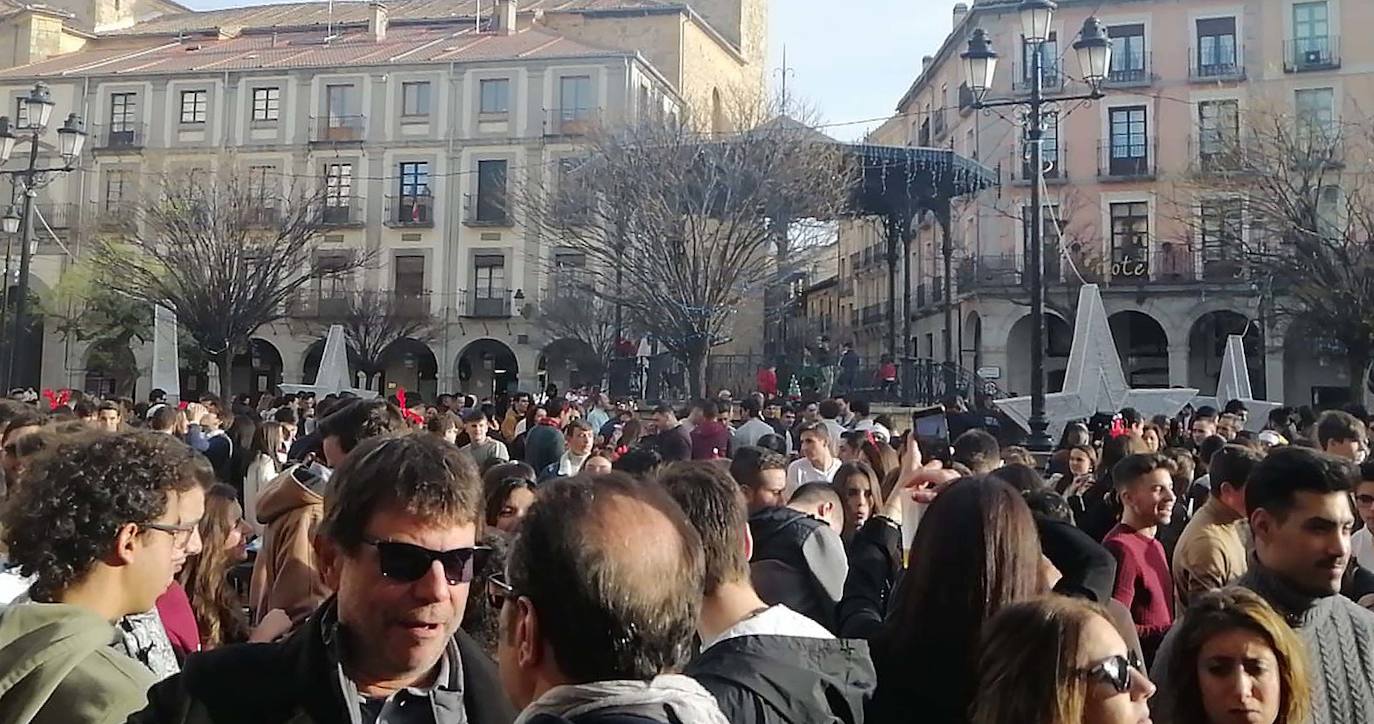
[(742, 22)]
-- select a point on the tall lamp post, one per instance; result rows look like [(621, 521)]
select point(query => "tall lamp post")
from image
[(38, 107), (1094, 51)]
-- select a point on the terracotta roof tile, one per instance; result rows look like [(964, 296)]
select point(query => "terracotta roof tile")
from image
[(402, 45), (309, 14)]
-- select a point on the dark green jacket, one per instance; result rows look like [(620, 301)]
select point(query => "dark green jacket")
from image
[(57, 667)]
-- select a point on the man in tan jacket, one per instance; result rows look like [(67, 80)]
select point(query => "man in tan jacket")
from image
[(1211, 552), (286, 574)]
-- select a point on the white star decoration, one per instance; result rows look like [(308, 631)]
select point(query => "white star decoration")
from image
[(1234, 384), (333, 376), (1094, 381)]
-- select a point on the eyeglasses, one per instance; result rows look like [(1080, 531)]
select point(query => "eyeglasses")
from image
[(1115, 671), (181, 534), (409, 563), (499, 591), (1366, 500)]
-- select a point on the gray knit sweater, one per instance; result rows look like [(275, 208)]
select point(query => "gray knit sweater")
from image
[(1340, 648)]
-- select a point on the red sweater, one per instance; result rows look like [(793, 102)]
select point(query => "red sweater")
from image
[(1143, 583), (174, 608)]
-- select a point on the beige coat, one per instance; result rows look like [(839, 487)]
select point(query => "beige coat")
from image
[(1210, 553)]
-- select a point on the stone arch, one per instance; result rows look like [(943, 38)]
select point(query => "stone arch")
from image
[(28, 351), (971, 336), (1315, 371), (1058, 342), (257, 370), (411, 364), (1207, 346), (487, 367), (111, 370), (1143, 346), (569, 363), (310, 362)]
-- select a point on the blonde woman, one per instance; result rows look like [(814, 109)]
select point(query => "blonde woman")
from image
[(1058, 660)]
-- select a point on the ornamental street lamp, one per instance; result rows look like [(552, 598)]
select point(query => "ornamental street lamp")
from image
[(1094, 52), (38, 108)]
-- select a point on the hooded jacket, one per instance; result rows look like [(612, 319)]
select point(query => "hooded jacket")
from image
[(285, 574), (788, 679), (57, 667)]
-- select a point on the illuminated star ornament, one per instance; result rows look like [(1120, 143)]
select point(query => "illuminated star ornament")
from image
[(1234, 384), (1094, 381)]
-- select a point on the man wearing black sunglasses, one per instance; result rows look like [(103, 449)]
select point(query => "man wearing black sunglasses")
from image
[(397, 545)]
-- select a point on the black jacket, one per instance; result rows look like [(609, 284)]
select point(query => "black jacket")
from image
[(875, 567), (295, 680), (799, 562), (787, 679)]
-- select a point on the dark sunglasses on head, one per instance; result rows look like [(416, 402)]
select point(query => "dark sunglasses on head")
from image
[(1115, 671), (408, 563)]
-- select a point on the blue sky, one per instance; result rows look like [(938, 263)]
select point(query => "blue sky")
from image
[(849, 59)]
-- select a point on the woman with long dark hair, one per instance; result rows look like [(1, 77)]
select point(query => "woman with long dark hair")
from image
[(860, 495), (976, 551)]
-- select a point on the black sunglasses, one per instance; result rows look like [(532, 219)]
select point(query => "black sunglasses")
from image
[(1115, 671), (409, 563)]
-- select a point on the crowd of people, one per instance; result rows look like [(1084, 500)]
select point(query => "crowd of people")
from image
[(555, 558)]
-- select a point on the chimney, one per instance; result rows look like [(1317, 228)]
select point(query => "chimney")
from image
[(926, 61), (960, 12), (377, 20), (504, 21)]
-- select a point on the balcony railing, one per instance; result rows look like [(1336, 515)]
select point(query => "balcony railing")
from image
[(266, 216), (56, 215), (326, 304), (410, 211), (1218, 155), (493, 304), (1215, 69), (121, 136), (1122, 160), (343, 211), (115, 216), (1128, 74), (338, 129), (490, 214), (1023, 168), (993, 271), (570, 121), (1321, 52), (1052, 79)]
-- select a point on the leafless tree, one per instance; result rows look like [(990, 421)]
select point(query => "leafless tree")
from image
[(576, 312), (1287, 200), (375, 320), (222, 253), (680, 227)]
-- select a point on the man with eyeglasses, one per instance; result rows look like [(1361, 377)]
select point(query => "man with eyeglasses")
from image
[(594, 623), (100, 525), (397, 544), (1362, 542)]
